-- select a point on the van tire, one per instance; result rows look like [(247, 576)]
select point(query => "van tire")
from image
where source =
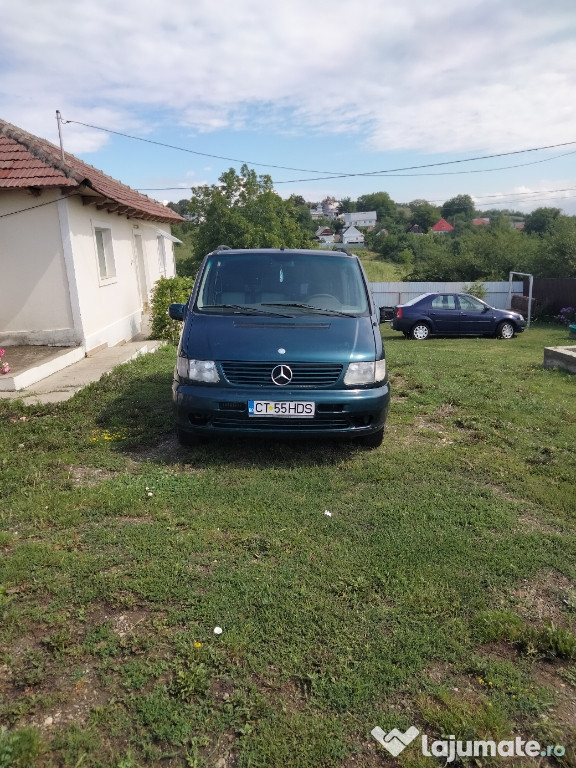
[(374, 440)]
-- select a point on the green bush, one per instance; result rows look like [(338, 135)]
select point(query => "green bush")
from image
[(476, 289), (168, 290)]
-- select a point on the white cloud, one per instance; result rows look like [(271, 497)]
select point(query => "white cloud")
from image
[(461, 75)]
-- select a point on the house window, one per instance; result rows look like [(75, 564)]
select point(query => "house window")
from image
[(106, 264), (161, 255)]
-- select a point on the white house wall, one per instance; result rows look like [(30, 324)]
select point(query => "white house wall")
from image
[(111, 310), (35, 303)]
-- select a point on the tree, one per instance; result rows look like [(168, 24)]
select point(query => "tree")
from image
[(490, 253), (243, 211), (347, 205), (541, 220), (460, 205), (423, 213), (432, 258), (381, 202), (298, 201), (556, 249), (301, 212), (391, 246)]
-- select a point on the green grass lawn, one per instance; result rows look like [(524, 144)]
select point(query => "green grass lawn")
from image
[(380, 271), (440, 593)]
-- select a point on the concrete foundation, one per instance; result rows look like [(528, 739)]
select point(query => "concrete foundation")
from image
[(560, 357)]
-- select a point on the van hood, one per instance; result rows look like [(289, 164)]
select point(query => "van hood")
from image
[(302, 339)]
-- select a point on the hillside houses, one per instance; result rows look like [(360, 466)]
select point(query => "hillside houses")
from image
[(327, 209), (324, 235), (359, 219), (352, 236)]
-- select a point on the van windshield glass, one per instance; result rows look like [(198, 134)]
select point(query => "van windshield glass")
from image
[(290, 283)]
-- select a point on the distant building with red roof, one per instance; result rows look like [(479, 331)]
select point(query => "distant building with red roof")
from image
[(442, 226)]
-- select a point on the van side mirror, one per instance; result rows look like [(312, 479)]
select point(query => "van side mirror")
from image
[(176, 311)]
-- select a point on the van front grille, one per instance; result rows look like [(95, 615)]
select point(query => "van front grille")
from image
[(305, 375)]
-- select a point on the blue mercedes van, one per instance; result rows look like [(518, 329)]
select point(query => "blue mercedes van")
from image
[(280, 343)]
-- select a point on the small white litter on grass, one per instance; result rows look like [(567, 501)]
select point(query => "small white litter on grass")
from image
[(327, 513), (218, 630)]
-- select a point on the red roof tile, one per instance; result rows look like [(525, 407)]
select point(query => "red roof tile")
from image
[(442, 226), (29, 161)]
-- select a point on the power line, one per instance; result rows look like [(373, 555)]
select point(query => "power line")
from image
[(531, 200), (192, 151), (515, 194), (395, 175), (335, 175), (536, 192)]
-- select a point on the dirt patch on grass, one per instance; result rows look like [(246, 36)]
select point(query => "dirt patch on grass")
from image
[(80, 697), (529, 521), (563, 712), (88, 477), (549, 597), (125, 623), (426, 429)]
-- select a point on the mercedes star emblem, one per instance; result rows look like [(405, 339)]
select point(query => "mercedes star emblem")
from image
[(281, 375)]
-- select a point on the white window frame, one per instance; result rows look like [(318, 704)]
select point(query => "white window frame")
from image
[(104, 248), (161, 255)]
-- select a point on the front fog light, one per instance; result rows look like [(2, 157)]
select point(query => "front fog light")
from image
[(198, 370)]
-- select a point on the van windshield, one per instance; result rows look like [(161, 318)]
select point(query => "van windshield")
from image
[(282, 282)]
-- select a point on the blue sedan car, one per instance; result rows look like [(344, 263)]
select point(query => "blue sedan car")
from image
[(454, 314)]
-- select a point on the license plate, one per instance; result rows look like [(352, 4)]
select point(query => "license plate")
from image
[(287, 409)]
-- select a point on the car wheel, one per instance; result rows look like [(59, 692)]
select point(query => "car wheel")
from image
[(505, 330), (420, 331)]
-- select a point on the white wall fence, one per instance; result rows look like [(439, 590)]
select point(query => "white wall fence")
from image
[(390, 294)]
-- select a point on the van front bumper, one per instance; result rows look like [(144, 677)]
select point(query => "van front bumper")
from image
[(211, 410)]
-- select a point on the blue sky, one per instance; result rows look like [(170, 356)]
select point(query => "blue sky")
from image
[(337, 86)]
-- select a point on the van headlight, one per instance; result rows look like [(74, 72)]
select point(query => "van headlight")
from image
[(197, 370), (359, 374)]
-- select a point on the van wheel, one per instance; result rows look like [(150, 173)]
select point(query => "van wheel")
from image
[(420, 331), (186, 439), (374, 440)]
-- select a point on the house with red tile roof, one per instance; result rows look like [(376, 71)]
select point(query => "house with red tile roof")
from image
[(442, 226), (80, 251)]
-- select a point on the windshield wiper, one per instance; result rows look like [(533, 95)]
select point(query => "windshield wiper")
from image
[(316, 310), (242, 310)]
